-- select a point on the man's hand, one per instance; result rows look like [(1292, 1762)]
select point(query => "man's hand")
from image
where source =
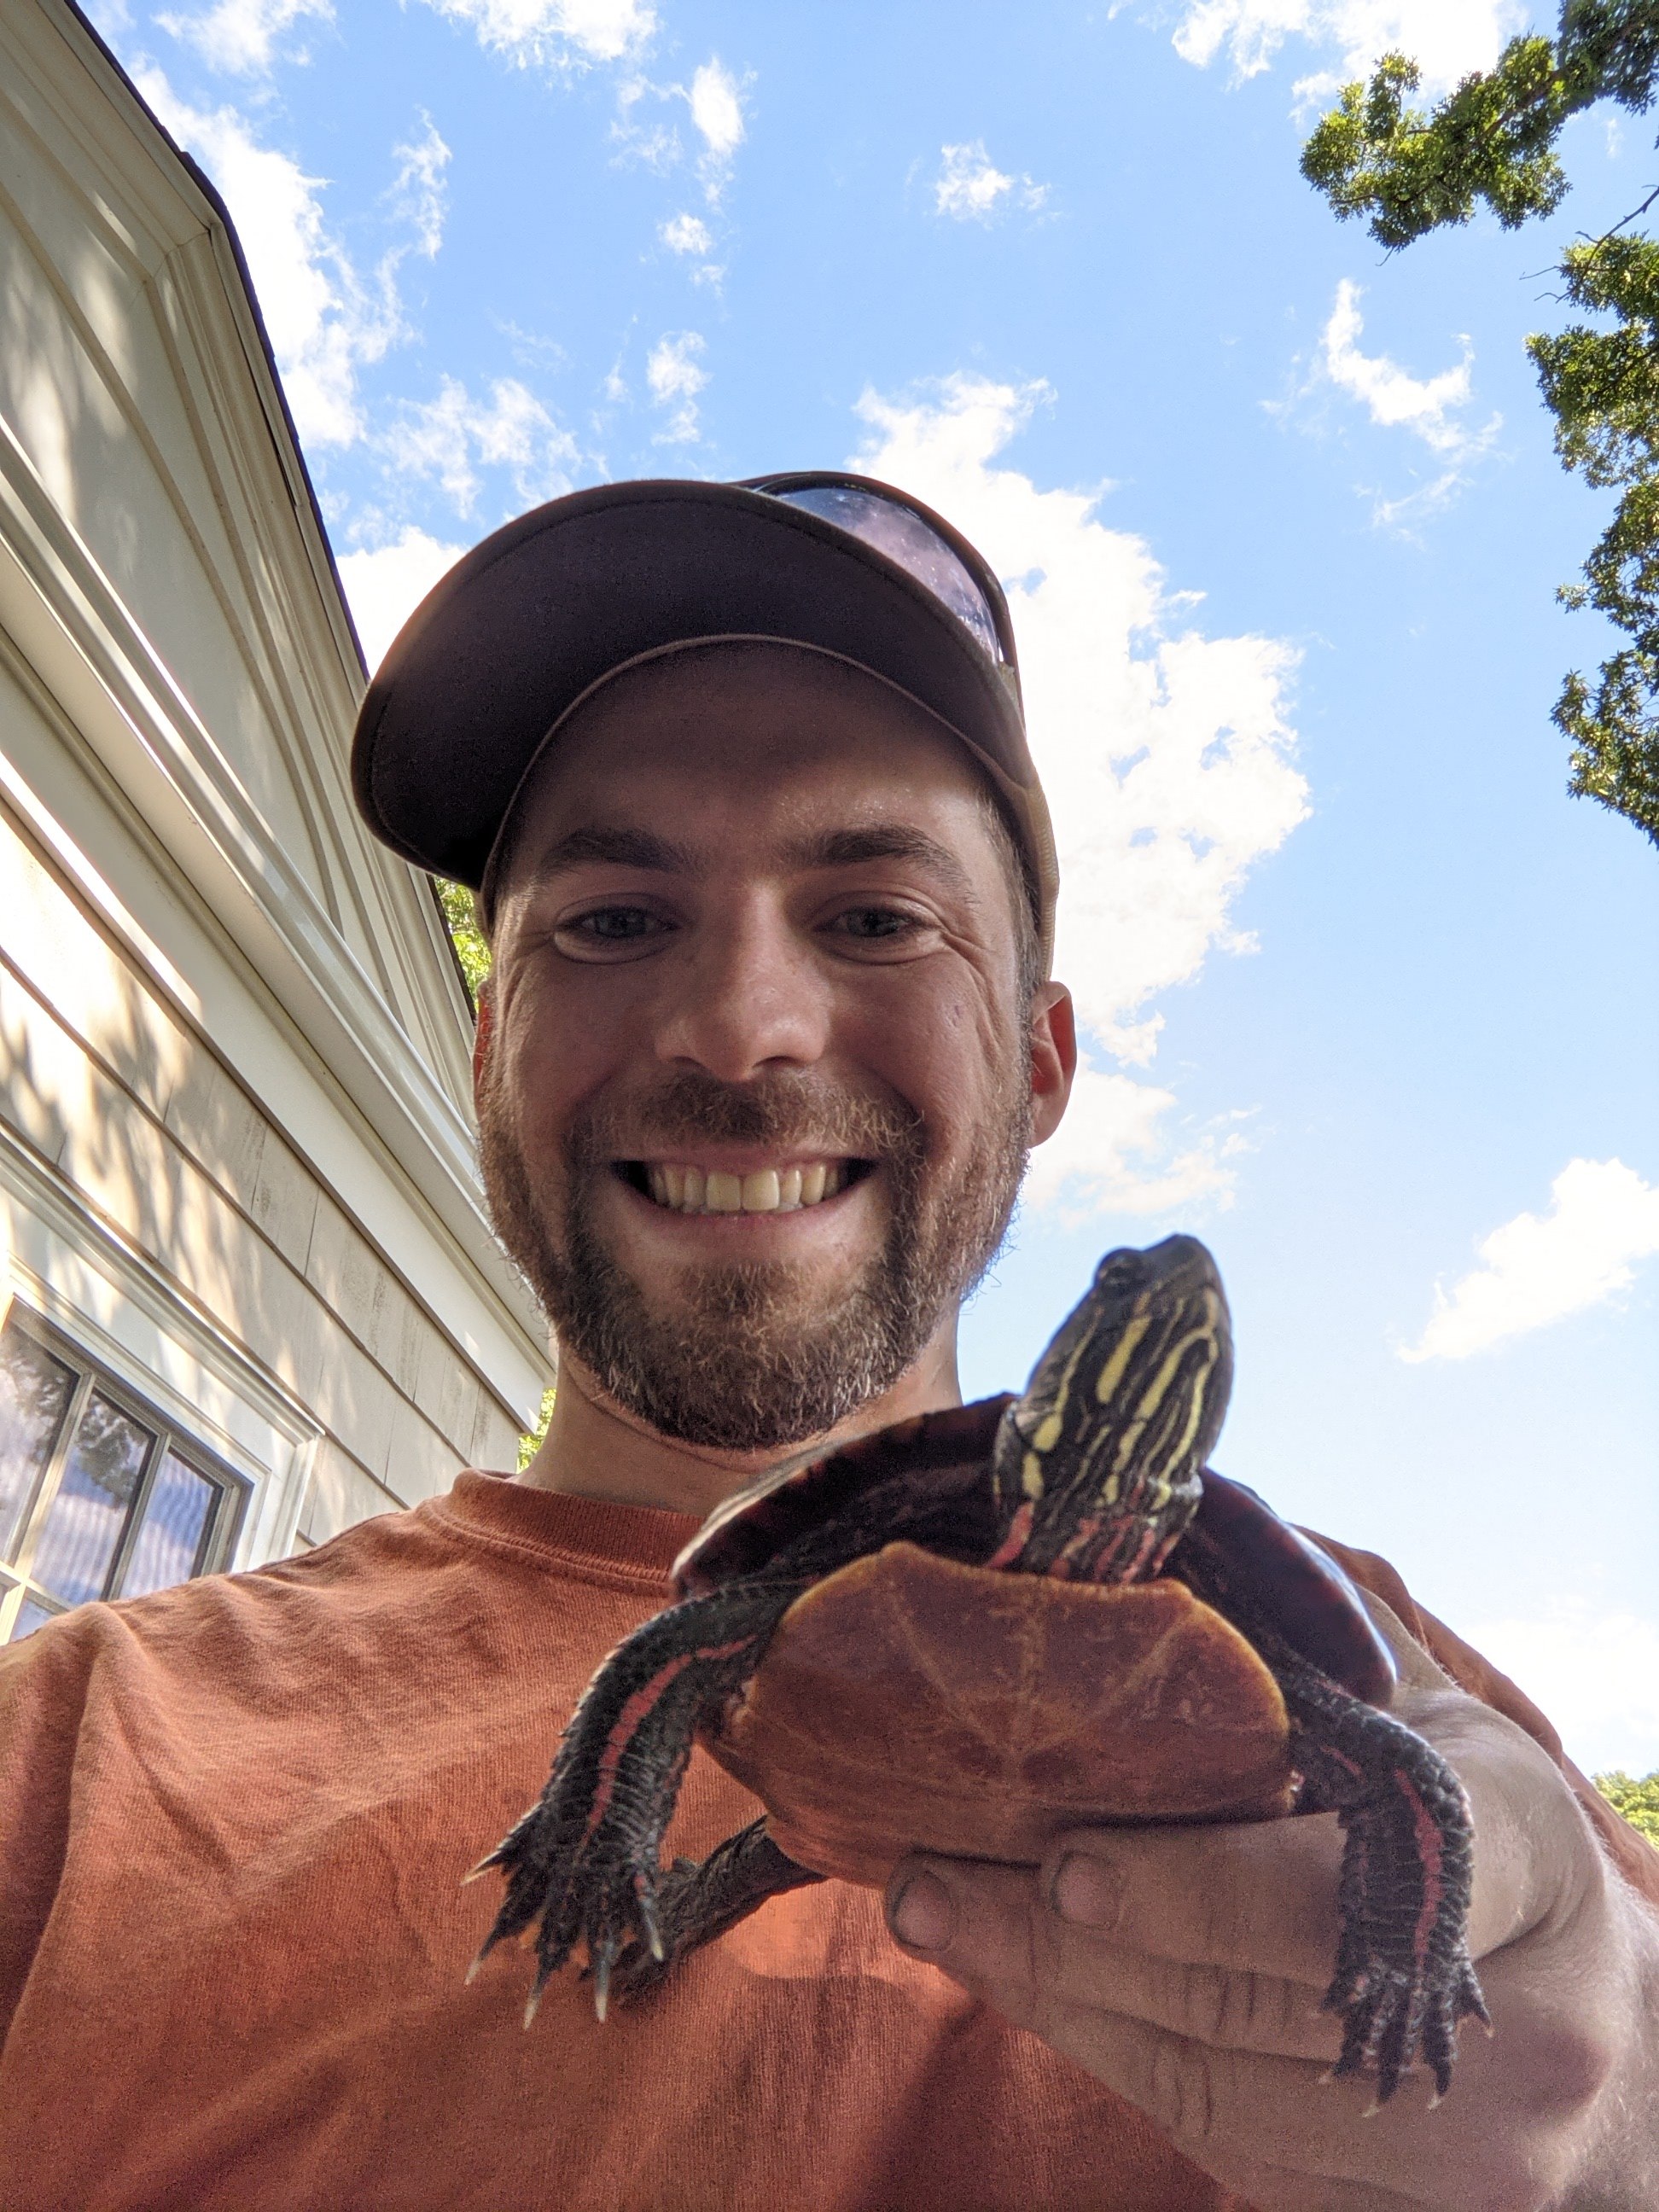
[(1184, 1968)]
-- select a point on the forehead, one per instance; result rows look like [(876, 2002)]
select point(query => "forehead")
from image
[(755, 739)]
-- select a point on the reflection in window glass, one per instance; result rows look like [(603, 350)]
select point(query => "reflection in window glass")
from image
[(170, 1535), (34, 1388), (88, 1516), (30, 1615)]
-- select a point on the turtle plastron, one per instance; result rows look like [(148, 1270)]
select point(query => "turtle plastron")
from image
[(908, 1702)]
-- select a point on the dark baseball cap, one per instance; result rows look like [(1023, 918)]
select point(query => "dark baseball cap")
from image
[(522, 629)]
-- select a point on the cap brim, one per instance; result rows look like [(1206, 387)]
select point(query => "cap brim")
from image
[(545, 607)]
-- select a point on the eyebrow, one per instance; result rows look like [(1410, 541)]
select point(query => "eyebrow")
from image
[(881, 841), (833, 848), (620, 848)]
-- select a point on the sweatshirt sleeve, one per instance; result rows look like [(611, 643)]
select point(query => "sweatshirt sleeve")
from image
[(43, 1682), (1629, 1850)]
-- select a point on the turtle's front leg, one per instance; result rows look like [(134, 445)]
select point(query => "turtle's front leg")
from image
[(583, 1865), (1404, 1977)]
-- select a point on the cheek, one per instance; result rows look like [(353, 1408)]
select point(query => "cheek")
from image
[(551, 1057), (944, 1053)]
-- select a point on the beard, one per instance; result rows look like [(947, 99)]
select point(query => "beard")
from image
[(755, 1356)]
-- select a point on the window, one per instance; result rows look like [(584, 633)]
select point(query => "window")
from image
[(99, 1495)]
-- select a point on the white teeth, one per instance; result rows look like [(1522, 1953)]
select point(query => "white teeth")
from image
[(762, 1190), (725, 1193)]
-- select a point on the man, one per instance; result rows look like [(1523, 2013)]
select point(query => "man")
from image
[(741, 776)]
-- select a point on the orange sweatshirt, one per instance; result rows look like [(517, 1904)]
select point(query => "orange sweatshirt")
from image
[(234, 1822)]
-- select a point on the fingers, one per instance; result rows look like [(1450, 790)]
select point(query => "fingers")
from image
[(1039, 1964), (1232, 2067), (1259, 1896)]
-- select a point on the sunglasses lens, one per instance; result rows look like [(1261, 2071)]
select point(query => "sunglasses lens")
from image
[(903, 536)]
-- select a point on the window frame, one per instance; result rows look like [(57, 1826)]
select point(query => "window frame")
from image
[(217, 1543)]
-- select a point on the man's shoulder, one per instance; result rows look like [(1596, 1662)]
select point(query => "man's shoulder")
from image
[(223, 1621)]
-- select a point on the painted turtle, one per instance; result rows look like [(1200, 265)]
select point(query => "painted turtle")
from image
[(971, 1631)]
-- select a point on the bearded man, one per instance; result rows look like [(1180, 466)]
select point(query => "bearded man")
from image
[(740, 776)]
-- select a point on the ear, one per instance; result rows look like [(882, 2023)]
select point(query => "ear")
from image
[(481, 1034), (1054, 1058)]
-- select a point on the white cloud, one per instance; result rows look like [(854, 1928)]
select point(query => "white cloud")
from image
[(1164, 754), (386, 585), (716, 99), (420, 190), (657, 144), (240, 36), (1447, 38), (970, 187), (1593, 1674), (1390, 395), (1537, 1269), (452, 437), (675, 380), (717, 110), (556, 33), (1113, 1154), (1431, 409), (687, 233), (325, 320)]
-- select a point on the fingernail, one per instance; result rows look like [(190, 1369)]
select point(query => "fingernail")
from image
[(1086, 1889), (923, 1915)]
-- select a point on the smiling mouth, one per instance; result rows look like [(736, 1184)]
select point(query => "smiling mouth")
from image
[(688, 1189)]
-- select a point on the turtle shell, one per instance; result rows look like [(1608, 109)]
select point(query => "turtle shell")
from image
[(942, 1454), (911, 1700)]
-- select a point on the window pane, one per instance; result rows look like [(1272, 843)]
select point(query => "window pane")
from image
[(89, 1512), (30, 1614), (34, 1388), (170, 1535)]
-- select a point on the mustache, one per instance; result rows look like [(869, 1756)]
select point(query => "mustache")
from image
[(691, 1107)]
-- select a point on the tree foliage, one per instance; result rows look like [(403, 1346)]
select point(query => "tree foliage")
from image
[(465, 934), (473, 952), (1637, 1801), (530, 1443), (1492, 139)]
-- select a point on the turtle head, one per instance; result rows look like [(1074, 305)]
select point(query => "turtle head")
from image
[(1097, 1466)]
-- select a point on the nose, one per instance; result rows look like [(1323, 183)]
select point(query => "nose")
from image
[(750, 996)]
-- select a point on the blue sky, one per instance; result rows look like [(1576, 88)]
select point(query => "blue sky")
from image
[(1370, 1001)]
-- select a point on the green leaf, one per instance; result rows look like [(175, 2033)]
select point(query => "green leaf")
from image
[(1493, 140), (530, 1443), (1637, 1801), (465, 934)]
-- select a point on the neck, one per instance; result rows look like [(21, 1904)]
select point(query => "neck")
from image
[(595, 1449)]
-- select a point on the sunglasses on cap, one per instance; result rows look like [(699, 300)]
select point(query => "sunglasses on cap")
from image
[(914, 537)]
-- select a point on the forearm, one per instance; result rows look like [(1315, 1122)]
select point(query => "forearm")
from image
[(1619, 2167)]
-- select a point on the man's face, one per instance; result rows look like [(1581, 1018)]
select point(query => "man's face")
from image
[(758, 1088)]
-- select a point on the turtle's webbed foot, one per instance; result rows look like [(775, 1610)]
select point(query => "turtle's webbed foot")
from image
[(695, 1903), (1404, 1977), (565, 1889)]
